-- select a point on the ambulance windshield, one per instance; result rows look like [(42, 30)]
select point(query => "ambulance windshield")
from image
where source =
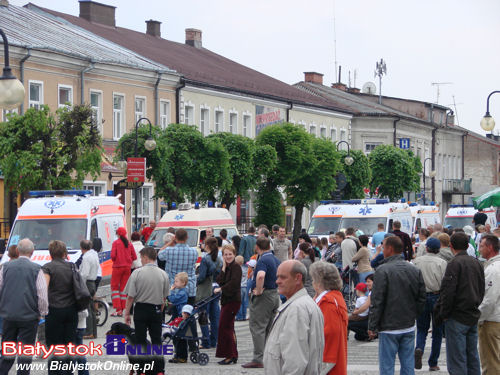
[(458, 222), (42, 231), (156, 238), (368, 225), (323, 225)]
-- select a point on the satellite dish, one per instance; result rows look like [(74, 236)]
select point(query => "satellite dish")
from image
[(369, 88)]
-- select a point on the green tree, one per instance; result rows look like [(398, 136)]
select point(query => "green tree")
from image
[(394, 171), (306, 166), (358, 175), (42, 150), (268, 205), (184, 165), (241, 152)]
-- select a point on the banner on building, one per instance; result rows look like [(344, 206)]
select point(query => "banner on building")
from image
[(136, 169), (265, 116)]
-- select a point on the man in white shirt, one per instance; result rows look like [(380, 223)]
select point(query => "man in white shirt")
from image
[(89, 269), (489, 321)]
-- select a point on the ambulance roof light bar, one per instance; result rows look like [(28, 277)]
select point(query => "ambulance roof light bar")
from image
[(358, 201), (461, 205), (52, 193)]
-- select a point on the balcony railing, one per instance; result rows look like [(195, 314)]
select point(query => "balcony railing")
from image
[(457, 186)]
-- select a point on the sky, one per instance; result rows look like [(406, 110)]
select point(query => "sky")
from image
[(456, 42)]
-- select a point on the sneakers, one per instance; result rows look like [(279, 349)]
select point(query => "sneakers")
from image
[(418, 358)]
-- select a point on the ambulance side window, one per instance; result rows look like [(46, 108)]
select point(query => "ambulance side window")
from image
[(93, 229)]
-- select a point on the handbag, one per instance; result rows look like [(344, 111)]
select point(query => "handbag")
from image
[(82, 294)]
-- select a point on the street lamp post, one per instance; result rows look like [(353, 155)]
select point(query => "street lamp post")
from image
[(348, 160), (11, 89), (432, 174), (487, 122), (149, 145)]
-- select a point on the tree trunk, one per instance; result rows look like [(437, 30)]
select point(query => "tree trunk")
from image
[(297, 225)]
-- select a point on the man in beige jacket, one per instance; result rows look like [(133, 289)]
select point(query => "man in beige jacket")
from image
[(295, 344)]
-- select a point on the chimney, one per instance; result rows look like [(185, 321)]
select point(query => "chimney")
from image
[(353, 90), (313, 77), (4, 3), (340, 86), (153, 28), (97, 12), (193, 38)]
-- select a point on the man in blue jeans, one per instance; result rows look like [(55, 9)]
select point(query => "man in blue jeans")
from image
[(398, 297), (433, 268), (462, 291)]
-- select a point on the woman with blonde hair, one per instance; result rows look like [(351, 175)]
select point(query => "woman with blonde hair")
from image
[(229, 280), (327, 283)]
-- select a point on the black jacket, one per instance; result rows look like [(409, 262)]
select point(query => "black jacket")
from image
[(407, 246), (462, 291), (398, 295)]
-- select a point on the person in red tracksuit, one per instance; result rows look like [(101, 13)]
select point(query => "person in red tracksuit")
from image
[(122, 255)]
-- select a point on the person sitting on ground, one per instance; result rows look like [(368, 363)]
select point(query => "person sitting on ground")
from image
[(356, 322), (180, 345), (178, 295)]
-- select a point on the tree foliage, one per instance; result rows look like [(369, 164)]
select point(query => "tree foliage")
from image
[(268, 205), (394, 171), (306, 166), (42, 150), (358, 175)]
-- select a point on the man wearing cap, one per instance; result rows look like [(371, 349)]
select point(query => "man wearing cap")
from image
[(433, 269), (489, 321), (148, 287)]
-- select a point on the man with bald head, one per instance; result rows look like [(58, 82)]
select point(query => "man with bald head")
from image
[(296, 341)]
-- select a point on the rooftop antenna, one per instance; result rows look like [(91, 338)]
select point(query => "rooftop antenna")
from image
[(334, 40), (455, 106), (438, 84), (349, 79), (355, 76), (380, 70)]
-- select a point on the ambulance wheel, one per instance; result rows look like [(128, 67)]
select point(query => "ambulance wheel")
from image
[(194, 357), (203, 359)]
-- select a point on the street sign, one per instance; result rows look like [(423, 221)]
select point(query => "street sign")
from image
[(127, 185), (404, 143), (136, 169)]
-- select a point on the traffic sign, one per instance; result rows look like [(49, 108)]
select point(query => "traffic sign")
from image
[(136, 169), (404, 143)]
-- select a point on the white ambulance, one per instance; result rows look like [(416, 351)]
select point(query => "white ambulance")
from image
[(423, 216), (69, 216), (459, 216), (366, 214), (326, 219), (195, 220)]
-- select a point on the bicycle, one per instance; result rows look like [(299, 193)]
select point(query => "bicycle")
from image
[(101, 309), (349, 277)]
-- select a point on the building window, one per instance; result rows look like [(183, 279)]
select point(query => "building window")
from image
[(312, 130), (118, 115), (189, 110), (96, 105), (164, 113), (65, 96), (140, 108), (233, 123), (219, 121), (36, 94), (322, 132), (6, 113), (343, 137), (144, 206), (369, 147), (247, 123), (95, 187), (333, 134), (204, 121)]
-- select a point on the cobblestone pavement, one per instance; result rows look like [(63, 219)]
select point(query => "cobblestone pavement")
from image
[(362, 357)]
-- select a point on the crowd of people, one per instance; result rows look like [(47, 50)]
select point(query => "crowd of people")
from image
[(293, 299)]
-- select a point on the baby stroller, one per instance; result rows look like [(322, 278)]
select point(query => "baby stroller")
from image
[(349, 278), (184, 332)]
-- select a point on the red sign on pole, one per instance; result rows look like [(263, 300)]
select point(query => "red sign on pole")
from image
[(136, 169)]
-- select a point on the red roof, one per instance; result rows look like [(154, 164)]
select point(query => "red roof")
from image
[(199, 65)]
